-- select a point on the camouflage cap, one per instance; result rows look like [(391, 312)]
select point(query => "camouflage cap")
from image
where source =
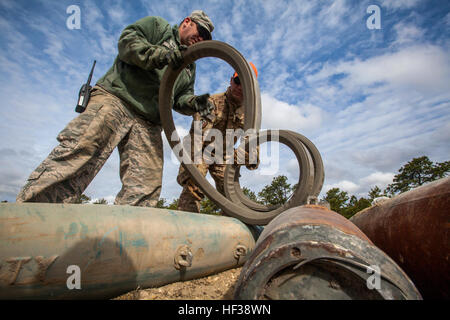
[(199, 17)]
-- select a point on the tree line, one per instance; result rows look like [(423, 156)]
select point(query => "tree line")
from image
[(414, 173)]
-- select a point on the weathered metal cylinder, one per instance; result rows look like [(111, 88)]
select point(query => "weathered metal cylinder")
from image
[(413, 229), (61, 251), (310, 252)]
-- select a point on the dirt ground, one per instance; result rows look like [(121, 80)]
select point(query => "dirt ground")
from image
[(215, 287)]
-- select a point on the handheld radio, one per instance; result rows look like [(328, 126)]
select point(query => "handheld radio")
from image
[(85, 93)]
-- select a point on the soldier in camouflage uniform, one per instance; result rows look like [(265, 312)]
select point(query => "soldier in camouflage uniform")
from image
[(123, 111), (228, 114)]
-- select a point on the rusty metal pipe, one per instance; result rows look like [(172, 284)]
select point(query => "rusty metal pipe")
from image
[(310, 252), (413, 229), (116, 248)]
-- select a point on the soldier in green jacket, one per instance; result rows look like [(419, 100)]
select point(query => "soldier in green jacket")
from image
[(123, 111)]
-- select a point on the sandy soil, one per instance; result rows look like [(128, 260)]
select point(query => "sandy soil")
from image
[(215, 287)]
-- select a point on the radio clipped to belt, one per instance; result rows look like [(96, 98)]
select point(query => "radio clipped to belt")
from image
[(85, 93)]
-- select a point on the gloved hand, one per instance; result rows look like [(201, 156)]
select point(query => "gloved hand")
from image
[(202, 105), (172, 56)]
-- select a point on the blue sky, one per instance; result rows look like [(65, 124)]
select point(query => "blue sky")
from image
[(370, 99)]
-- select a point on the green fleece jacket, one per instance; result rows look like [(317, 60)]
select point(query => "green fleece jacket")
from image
[(135, 78)]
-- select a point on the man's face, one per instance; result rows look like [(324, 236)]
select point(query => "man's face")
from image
[(189, 33), (236, 90)]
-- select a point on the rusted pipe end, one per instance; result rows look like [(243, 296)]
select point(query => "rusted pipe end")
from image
[(311, 252), (313, 214)]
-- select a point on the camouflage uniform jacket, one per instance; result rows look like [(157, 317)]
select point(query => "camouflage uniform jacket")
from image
[(227, 114), (134, 77)]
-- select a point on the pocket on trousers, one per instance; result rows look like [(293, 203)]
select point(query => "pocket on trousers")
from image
[(75, 129)]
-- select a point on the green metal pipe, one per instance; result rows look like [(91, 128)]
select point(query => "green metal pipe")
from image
[(115, 249)]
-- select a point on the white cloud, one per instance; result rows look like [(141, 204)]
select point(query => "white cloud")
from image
[(399, 4), (117, 12), (407, 33), (105, 40), (334, 14), (380, 179), (255, 181), (423, 68), (292, 167), (343, 185), (362, 186), (281, 115)]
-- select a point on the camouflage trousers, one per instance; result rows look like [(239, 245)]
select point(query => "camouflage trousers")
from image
[(85, 145), (191, 196)]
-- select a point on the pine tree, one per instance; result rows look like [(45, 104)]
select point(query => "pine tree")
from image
[(278, 192), (337, 199), (374, 193), (417, 172), (209, 207)]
